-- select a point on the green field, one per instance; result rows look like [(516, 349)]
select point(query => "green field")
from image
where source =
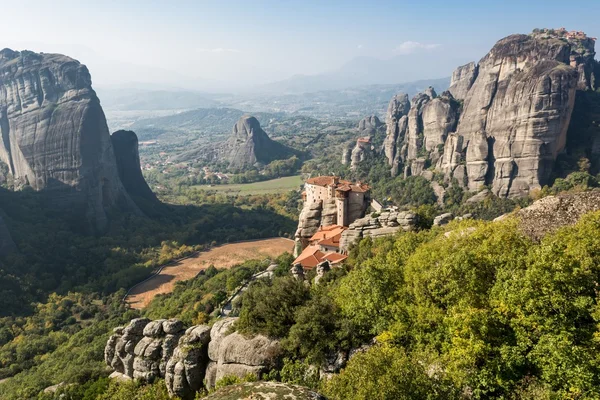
[(265, 187)]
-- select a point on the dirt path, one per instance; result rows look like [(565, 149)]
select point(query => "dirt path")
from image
[(224, 256)]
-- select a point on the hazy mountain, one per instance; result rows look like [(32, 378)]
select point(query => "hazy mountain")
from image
[(361, 71), (130, 99)]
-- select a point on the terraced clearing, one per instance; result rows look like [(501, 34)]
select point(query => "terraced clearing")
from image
[(265, 187), (224, 256)]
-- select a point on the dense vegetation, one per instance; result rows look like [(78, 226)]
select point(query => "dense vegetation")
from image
[(481, 311)]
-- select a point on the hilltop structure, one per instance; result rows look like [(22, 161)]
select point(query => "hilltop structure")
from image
[(330, 201)]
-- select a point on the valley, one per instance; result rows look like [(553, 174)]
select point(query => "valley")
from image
[(334, 235)]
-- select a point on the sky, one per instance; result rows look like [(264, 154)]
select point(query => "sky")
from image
[(221, 45)]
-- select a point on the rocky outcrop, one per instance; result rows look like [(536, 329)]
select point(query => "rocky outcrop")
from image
[(397, 122), (516, 116), (125, 144), (310, 220), (142, 349), (416, 140), (190, 359), (369, 126), (375, 226), (249, 144), (54, 135), (232, 354), (363, 150), (185, 370), (264, 390), (443, 219), (370, 129), (517, 107), (462, 80), (550, 213)]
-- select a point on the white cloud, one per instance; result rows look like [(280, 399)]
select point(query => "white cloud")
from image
[(360, 46), (410, 47), (219, 50)]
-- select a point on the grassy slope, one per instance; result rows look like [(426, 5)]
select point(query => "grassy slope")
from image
[(272, 186)]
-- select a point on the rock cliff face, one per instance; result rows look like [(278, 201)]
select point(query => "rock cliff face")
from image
[(188, 359), (369, 129), (125, 144), (517, 104), (54, 135), (416, 139), (368, 126), (462, 80), (249, 145), (397, 122)]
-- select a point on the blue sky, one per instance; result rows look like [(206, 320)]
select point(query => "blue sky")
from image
[(260, 41)]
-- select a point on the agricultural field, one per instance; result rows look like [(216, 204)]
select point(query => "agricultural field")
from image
[(225, 256), (265, 187)]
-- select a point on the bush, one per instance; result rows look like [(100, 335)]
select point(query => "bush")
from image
[(268, 307)]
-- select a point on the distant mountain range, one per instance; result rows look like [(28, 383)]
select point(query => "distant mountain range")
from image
[(362, 71), (352, 102)]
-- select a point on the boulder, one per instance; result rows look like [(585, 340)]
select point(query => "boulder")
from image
[(185, 370), (443, 219), (231, 353)]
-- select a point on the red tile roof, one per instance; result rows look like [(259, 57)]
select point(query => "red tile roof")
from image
[(327, 232), (335, 258), (310, 257), (333, 241)]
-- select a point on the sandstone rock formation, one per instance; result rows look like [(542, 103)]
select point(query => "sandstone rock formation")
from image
[(363, 149), (443, 219), (369, 126), (386, 223), (462, 80), (416, 140), (517, 104), (188, 359), (185, 370), (142, 349), (232, 354), (396, 121), (265, 390), (125, 144), (54, 135), (249, 145)]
